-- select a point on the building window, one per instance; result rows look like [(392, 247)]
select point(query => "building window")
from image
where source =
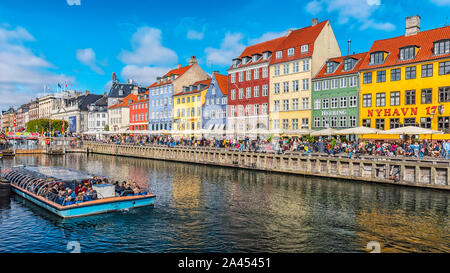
[(256, 109), (318, 85), (286, 69), (325, 122), (425, 123), (427, 96), (349, 64), (352, 120), (296, 67), (277, 70), (334, 83), (395, 74), (317, 104), (248, 92), (264, 108), (410, 72), (305, 123), (305, 84), (316, 122), (325, 85), (410, 97), (334, 103), (291, 52), (353, 81), (285, 87), (381, 76), (265, 90), (295, 124), (409, 122), (256, 91), (366, 123), (305, 65), (295, 86), (407, 53), (256, 74), (442, 47), (265, 72), (304, 48), (285, 105), (379, 123), (444, 68), (276, 88), (233, 94), (294, 104), (394, 123), (444, 124), (353, 101), (444, 94), (367, 100), (376, 58), (233, 78), (343, 102), (241, 76), (427, 70), (381, 99), (279, 54), (285, 124), (276, 106), (248, 75), (367, 77), (305, 103), (331, 67), (325, 103), (241, 93), (343, 121), (395, 98), (276, 123), (343, 82), (333, 120)]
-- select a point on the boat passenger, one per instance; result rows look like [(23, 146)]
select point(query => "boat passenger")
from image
[(80, 197), (70, 197), (128, 190), (91, 194), (60, 198), (136, 188)]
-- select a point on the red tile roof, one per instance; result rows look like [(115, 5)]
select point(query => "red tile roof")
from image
[(424, 40), (297, 38), (340, 69), (177, 71), (124, 102), (222, 82), (249, 51)]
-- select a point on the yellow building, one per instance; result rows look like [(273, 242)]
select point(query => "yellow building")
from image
[(405, 81), (295, 62), (187, 107)]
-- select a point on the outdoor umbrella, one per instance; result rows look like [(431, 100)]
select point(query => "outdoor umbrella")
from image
[(410, 130), (358, 131), (325, 132)]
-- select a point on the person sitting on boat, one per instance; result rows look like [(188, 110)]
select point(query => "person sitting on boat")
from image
[(59, 198), (78, 189), (80, 197), (91, 194), (70, 197), (128, 190), (119, 189), (135, 188)]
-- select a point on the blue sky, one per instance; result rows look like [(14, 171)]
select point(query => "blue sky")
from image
[(82, 42)]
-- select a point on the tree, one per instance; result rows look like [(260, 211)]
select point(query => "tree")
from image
[(39, 125), (107, 128)]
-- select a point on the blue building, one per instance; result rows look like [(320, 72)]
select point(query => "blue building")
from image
[(214, 114)]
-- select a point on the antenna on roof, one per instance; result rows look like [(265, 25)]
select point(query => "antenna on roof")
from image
[(446, 21)]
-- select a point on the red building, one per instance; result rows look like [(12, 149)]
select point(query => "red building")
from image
[(248, 88), (139, 113)]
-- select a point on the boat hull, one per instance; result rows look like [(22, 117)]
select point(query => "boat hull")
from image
[(87, 208)]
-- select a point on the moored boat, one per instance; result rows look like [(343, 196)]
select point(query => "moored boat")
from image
[(35, 184)]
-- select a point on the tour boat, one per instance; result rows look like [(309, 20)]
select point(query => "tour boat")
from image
[(30, 182)]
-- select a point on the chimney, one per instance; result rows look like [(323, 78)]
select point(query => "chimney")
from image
[(193, 60), (315, 21), (288, 32), (135, 90), (179, 66), (412, 25), (349, 46)]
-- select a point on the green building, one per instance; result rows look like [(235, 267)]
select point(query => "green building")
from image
[(335, 93)]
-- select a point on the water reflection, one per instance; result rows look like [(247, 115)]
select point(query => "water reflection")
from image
[(201, 209)]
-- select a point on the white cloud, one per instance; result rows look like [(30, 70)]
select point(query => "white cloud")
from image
[(267, 37), (195, 35), (360, 11), (87, 57), (148, 49), (441, 2), (73, 2), (22, 73), (230, 48), (144, 75)]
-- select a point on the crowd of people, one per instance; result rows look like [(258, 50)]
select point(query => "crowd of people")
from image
[(307, 145), (65, 195)]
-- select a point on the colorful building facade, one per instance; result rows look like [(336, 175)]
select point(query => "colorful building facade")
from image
[(214, 114), (335, 93), (298, 57), (162, 91), (139, 113), (188, 106), (405, 81)]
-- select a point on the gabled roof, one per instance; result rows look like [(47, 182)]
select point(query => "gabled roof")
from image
[(177, 71), (126, 89), (340, 69), (87, 100), (297, 38), (424, 40), (222, 82), (206, 83), (124, 102), (260, 48)]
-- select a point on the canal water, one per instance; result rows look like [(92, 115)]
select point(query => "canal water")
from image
[(210, 209)]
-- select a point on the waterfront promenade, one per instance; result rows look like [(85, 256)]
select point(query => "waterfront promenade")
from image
[(417, 172)]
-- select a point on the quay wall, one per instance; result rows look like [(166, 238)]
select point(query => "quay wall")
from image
[(425, 173)]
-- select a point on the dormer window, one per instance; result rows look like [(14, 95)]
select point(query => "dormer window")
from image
[(407, 53), (442, 47), (255, 57), (304, 48), (236, 62), (331, 67), (279, 54), (377, 57), (291, 52), (266, 55), (349, 64)]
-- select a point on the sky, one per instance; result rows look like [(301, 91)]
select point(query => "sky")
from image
[(82, 42)]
